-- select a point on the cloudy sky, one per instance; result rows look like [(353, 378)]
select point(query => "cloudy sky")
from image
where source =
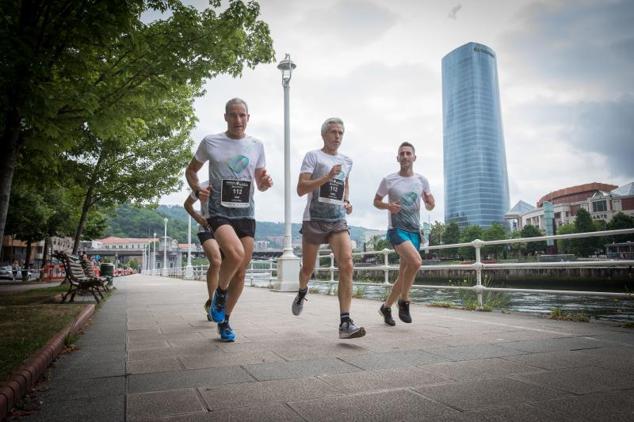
[(566, 82)]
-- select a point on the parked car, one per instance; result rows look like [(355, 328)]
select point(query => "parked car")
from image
[(6, 272)]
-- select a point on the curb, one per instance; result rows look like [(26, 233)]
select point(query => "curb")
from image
[(27, 374)]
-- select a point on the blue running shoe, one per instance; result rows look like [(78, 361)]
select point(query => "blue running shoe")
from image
[(217, 310), (226, 332)]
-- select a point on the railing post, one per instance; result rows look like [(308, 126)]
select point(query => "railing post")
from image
[(477, 244), (386, 264), (332, 267)]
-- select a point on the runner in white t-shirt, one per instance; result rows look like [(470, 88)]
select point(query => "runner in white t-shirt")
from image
[(206, 238), (404, 190), (236, 164), (324, 178)]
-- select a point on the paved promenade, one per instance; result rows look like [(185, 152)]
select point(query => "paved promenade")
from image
[(150, 354)]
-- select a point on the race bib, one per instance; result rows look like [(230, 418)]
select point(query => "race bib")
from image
[(235, 193), (331, 192)]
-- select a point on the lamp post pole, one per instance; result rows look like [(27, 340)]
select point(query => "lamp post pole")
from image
[(189, 271), (288, 263), (154, 254), (164, 272)]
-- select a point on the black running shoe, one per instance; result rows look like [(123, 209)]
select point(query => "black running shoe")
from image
[(403, 311), (387, 315), (207, 306)]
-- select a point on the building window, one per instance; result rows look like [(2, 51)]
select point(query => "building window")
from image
[(599, 206)]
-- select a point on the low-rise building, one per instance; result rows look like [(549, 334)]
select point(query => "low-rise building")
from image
[(602, 201)]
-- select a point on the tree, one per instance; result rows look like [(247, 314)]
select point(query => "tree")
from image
[(450, 236), (468, 234), (436, 233), (75, 70), (564, 246), (584, 224), (532, 248), (495, 232), (41, 41), (621, 221)]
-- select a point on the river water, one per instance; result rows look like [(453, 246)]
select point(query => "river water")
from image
[(603, 308)]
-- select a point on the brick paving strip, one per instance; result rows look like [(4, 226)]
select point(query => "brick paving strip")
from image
[(26, 375)]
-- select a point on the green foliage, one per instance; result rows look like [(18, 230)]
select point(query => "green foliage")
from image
[(558, 314), (451, 235), (436, 234), (110, 97), (133, 221), (490, 300), (584, 224), (468, 234), (495, 232), (532, 248), (564, 246), (95, 226), (621, 221), (380, 242)]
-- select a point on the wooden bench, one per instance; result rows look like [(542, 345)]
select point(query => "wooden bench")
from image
[(89, 271), (77, 280)]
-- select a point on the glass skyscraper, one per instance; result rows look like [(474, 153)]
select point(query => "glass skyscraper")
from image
[(476, 182)]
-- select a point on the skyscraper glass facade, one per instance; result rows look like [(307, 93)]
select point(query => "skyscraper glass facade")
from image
[(476, 182)]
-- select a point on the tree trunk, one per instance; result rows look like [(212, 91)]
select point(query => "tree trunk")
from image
[(9, 147), (88, 202), (27, 261), (84, 216), (47, 241)]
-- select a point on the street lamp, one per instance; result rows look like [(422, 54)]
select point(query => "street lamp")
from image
[(288, 263), (164, 274), (189, 271)]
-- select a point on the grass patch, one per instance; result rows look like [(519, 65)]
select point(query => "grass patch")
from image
[(28, 320), (558, 314), (441, 305), (359, 292), (628, 325)]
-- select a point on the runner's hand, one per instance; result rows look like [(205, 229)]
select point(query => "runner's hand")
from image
[(334, 171), (348, 207), (264, 181), (394, 207), (203, 194)]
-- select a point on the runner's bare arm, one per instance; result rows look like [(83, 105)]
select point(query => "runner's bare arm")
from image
[(430, 202), (305, 184), (346, 194), (188, 205), (392, 207), (191, 174)]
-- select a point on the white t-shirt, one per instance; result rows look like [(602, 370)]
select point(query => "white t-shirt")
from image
[(408, 192), (232, 164), (204, 208), (326, 202)]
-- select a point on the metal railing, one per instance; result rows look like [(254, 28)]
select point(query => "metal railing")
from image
[(261, 273), (478, 266)]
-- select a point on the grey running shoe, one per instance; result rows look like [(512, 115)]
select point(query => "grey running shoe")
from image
[(298, 304), (403, 311), (347, 329), (387, 315)]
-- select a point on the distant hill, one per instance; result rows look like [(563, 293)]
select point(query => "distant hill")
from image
[(132, 221)]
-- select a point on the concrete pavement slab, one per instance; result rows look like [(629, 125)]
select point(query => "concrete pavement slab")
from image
[(173, 380), (481, 394), (154, 348), (152, 406), (255, 394), (400, 405)]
